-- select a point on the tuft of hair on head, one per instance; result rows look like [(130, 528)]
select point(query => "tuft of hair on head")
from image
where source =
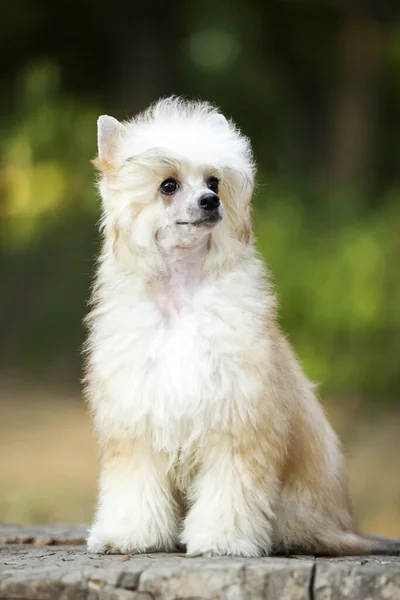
[(173, 107), (109, 131)]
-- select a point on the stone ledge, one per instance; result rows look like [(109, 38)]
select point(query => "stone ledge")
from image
[(46, 535), (62, 572)]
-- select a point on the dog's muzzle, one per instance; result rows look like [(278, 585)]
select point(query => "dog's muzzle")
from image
[(210, 209), (210, 206), (209, 202)]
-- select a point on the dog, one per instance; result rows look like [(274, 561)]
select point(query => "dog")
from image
[(211, 436)]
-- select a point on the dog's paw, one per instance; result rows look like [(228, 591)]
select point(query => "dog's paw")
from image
[(104, 542), (223, 547), (97, 546)]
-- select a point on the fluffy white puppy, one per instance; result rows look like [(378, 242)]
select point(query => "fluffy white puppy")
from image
[(210, 433)]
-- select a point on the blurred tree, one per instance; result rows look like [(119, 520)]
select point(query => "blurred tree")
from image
[(359, 49)]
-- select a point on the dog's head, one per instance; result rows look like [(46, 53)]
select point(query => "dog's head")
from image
[(177, 175)]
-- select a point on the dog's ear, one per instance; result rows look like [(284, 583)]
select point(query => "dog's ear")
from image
[(108, 131), (239, 187)]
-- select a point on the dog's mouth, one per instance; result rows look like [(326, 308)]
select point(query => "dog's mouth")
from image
[(208, 221)]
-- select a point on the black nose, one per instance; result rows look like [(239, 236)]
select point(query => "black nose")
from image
[(209, 201)]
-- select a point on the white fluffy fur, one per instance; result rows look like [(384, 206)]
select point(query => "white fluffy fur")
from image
[(210, 433)]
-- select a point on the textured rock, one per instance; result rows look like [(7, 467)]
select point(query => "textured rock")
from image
[(68, 572), (362, 578)]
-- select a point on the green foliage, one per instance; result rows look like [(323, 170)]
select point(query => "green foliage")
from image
[(48, 223), (338, 288)]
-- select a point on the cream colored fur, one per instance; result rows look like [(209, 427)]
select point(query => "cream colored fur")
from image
[(210, 433)]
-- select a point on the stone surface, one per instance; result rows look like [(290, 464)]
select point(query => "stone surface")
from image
[(43, 536), (34, 571)]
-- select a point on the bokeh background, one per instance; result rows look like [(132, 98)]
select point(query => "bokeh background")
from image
[(316, 86)]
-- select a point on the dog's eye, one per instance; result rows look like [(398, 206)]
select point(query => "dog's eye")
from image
[(169, 186), (212, 184)]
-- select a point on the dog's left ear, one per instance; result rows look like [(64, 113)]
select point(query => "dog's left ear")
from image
[(239, 187)]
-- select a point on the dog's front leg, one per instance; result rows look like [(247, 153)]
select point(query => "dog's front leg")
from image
[(135, 511), (231, 500)]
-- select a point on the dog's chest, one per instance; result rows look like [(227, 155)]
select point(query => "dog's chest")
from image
[(183, 354), (178, 374), (180, 361), (175, 291)]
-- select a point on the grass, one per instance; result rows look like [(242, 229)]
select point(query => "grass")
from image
[(48, 459)]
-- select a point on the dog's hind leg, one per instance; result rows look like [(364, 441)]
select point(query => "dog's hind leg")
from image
[(314, 517)]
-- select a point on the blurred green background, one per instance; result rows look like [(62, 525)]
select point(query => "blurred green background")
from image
[(316, 85)]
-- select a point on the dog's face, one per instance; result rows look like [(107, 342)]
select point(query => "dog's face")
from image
[(188, 205), (192, 204), (176, 176)]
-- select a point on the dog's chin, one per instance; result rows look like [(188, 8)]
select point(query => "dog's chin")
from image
[(187, 234), (203, 222)]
